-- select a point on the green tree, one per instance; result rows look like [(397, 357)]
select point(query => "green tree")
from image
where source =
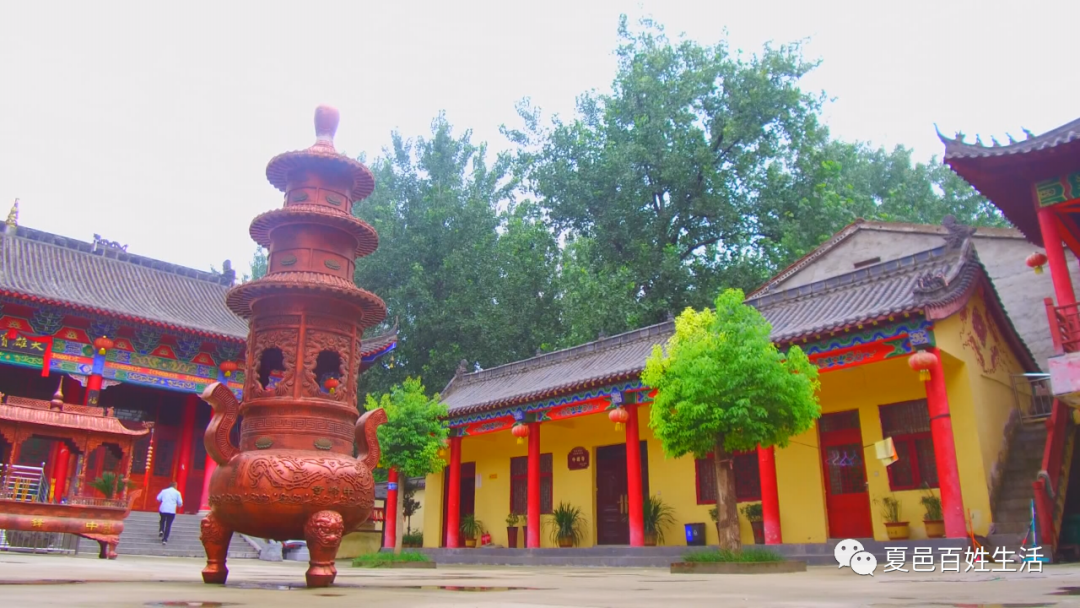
[(412, 436), (722, 387), (665, 174), (461, 264), (259, 264)]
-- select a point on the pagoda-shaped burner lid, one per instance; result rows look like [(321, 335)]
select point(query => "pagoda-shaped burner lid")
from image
[(323, 156)]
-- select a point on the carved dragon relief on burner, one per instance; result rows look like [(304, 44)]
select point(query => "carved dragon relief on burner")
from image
[(321, 347), (284, 340)]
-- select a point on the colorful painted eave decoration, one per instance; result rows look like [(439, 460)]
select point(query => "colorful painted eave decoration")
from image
[(879, 342), (567, 406)]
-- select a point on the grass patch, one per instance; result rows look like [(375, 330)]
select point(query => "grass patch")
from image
[(748, 555), (379, 560)]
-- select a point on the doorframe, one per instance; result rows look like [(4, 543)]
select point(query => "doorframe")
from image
[(596, 487), (825, 484)]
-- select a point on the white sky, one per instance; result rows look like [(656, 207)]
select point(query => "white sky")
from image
[(153, 127)]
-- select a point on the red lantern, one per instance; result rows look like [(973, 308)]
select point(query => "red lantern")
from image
[(619, 416), (1036, 261), (331, 384), (520, 431), (228, 367), (922, 362), (103, 344)]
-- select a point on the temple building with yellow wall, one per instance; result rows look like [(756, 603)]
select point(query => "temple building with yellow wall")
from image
[(860, 320)]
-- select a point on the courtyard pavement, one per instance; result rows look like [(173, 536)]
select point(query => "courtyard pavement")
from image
[(34, 581)]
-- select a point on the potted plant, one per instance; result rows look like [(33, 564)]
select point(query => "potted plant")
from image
[(753, 514), (471, 528), (656, 515), (109, 483), (412, 540), (511, 530), (933, 522), (567, 523), (890, 512)]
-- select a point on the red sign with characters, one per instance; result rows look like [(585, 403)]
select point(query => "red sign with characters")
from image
[(577, 459)]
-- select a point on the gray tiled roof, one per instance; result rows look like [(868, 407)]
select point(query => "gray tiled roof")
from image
[(68, 272), (957, 148), (912, 284)]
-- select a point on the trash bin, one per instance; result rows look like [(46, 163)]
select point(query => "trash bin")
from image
[(695, 535)]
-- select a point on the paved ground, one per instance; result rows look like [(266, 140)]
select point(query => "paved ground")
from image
[(37, 581)]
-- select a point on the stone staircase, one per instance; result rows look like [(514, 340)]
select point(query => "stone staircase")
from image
[(140, 537), (1012, 513)]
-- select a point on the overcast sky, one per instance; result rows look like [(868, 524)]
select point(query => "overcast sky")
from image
[(153, 127)]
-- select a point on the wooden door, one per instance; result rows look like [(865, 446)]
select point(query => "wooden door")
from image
[(467, 502), (612, 506), (846, 494)]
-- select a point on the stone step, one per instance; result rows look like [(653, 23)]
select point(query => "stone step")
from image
[(140, 537)]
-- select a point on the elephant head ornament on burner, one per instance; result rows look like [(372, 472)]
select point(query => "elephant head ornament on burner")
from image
[(293, 474)]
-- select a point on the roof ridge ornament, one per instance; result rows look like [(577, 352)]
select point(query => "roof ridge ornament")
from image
[(956, 233), (13, 215)]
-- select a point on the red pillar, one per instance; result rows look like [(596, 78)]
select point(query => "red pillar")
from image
[(952, 502), (208, 472), (533, 497), (1055, 256), (453, 496), (770, 495), (390, 521), (93, 389), (60, 471), (633, 478), (187, 436)]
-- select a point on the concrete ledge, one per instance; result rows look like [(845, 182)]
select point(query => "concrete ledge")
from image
[(738, 567), (404, 565)]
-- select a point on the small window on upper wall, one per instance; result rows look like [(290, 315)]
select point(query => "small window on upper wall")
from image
[(908, 423), (869, 262)]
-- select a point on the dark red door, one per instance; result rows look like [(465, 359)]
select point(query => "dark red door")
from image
[(467, 496), (846, 495), (612, 507)]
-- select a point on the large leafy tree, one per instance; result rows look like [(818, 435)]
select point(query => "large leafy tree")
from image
[(467, 271), (722, 386), (664, 175), (412, 436)]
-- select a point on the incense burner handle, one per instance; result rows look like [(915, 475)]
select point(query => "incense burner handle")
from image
[(367, 437), (226, 411)]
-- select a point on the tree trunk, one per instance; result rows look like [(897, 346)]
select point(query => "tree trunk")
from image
[(727, 512)]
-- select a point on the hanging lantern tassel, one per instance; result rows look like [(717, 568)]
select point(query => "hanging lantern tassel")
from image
[(228, 367), (922, 361), (619, 416), (1036, 261), (520, 431)]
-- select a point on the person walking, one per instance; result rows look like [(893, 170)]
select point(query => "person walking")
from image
[(169, 498)]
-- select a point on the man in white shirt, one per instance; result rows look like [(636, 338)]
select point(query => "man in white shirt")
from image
[(170, 499)]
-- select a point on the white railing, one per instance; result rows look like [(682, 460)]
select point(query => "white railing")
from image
[(1033, 395), (24, 484)]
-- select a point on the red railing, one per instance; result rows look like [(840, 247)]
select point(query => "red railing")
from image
[(1064, 326), (1048, 486)]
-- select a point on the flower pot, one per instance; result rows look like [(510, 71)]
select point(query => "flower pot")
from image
[(566, 542), (650, 539), (897, 530), (759, 532), (935, 528), (511, 537), (470, 543)]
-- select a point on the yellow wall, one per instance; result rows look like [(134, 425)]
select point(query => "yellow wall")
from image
[(980, 402), (981, 361), (671, 479)]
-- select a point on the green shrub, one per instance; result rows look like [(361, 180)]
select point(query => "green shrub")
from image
[(743, 556), (382, 559)]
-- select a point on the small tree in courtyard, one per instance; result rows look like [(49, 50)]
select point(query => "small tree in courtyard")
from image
[(723, 387), (411, 438)]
